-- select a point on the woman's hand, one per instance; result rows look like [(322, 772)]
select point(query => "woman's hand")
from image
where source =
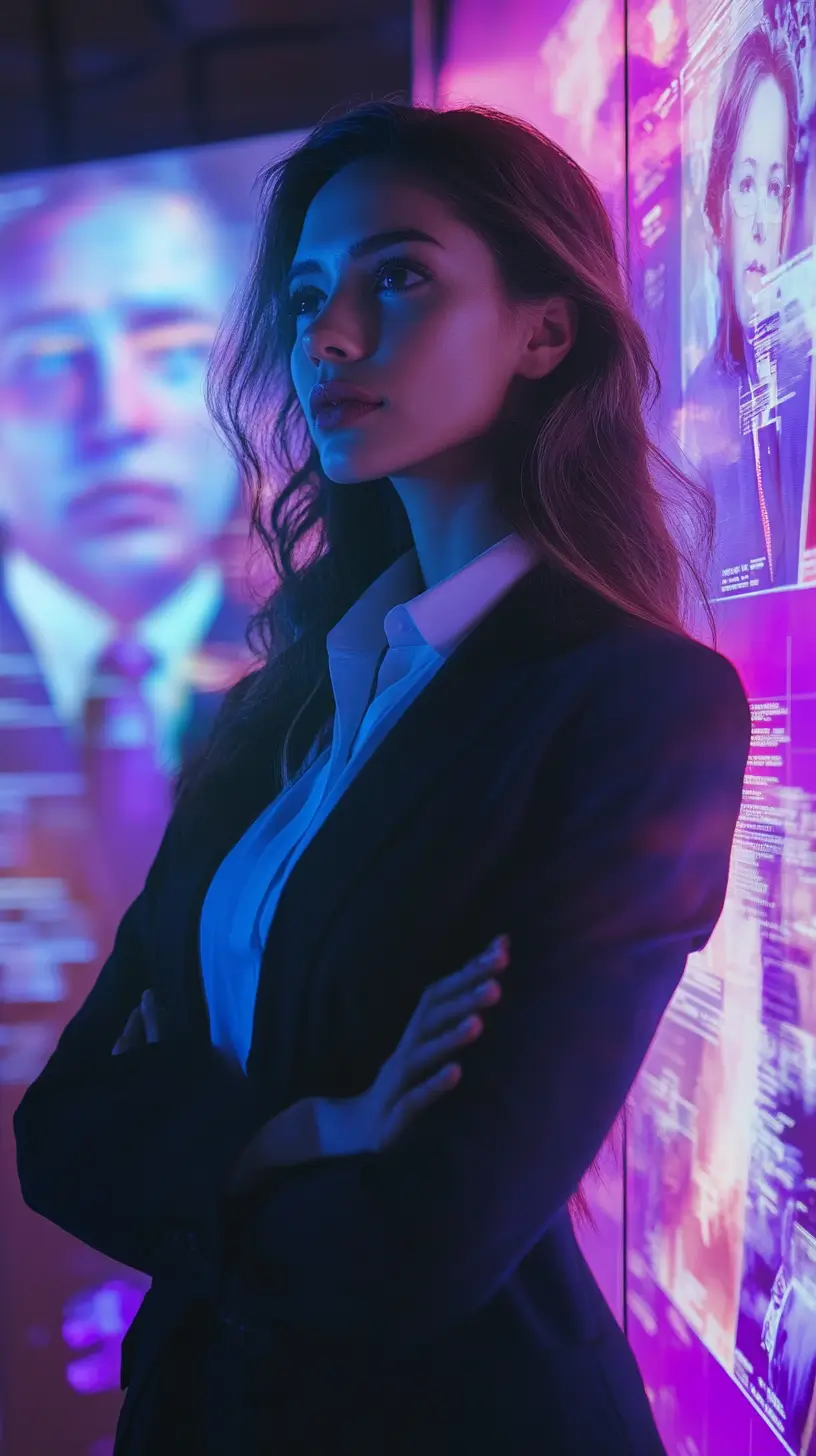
[(141, 1027), (418, 1074), (420, 1071)]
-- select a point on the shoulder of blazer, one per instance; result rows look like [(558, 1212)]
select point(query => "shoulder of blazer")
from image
[(660, 689), (631, 652), (627, 674), (549, 615)]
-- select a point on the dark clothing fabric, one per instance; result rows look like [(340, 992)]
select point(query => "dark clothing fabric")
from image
[(756, 482), (570, 777), (793, 1365)]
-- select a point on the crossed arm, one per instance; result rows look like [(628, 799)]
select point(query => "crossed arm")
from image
[(120, 1150)]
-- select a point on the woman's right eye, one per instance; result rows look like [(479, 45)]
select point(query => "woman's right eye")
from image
[(298, 298)]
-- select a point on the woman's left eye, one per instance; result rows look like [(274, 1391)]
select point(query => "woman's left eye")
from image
[(304, 300), (296, 299), (401, 265)]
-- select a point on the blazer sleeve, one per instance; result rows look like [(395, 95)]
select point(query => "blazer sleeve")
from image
[(621, 874), (131, 1153)]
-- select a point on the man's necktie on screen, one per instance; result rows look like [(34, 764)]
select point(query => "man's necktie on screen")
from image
[(129, 792)]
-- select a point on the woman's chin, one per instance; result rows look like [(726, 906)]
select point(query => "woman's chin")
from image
[(350, 467)]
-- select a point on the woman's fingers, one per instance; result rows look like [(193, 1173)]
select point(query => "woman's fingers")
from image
[(495, 959), (150, 1015), (133, 1034), (449, 1013), (432, 1053), (418, 1098), (445, 1019), (142, 1026)]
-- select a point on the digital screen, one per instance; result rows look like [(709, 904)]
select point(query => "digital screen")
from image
[(696, 120), (722, 1147), (125, 591), (123, 604)]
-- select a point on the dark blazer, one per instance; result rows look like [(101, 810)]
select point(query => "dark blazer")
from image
[(570, 777), (792, 1373), (725, 460)]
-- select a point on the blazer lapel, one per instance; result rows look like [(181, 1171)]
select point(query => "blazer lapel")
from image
[(482, 680)]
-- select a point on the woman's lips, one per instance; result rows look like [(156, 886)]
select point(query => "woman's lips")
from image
[(342, 416)]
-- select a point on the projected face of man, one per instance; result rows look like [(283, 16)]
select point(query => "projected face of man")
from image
[(110, 474)]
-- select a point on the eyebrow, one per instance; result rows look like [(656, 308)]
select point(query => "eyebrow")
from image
[(374, 244), (158, 316), (137, 317), (774, 167)]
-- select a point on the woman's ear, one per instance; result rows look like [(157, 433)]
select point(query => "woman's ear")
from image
[(552, 326)]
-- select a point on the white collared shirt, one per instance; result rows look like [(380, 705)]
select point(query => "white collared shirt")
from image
[(68, 634), (408, 633)]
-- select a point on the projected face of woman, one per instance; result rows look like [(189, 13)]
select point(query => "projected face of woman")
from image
[(757, 196)]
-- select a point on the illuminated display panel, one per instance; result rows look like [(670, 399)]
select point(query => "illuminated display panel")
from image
[(722, 1148), (123, 604), (719, 202), (710, 142)]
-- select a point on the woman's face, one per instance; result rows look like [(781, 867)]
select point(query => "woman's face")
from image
[(757, 193), (419, 319)]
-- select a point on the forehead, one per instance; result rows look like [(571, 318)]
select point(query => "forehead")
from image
[(766, 122), (370, 197), (121, 248)]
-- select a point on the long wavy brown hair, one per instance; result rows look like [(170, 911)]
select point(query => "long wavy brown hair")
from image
[(579, 476)]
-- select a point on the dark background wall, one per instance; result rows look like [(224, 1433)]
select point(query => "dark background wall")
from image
[(81, 79)]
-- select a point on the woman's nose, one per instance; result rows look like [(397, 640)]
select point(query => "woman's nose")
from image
[(334, 343), (337, 333), (321, 346)]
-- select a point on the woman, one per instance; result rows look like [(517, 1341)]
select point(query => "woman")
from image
[(479, 717), (745, 404)]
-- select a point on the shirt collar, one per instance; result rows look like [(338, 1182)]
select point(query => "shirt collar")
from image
[(441, 616), (68, 632), (391, 612)]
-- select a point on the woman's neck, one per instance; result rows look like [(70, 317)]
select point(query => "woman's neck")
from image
[(450, 525)]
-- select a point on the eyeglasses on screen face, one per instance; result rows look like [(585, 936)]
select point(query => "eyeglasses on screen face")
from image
[(746, 194)]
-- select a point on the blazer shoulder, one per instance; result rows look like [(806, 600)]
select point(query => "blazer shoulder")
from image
[(670, 676), (648, 642)]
